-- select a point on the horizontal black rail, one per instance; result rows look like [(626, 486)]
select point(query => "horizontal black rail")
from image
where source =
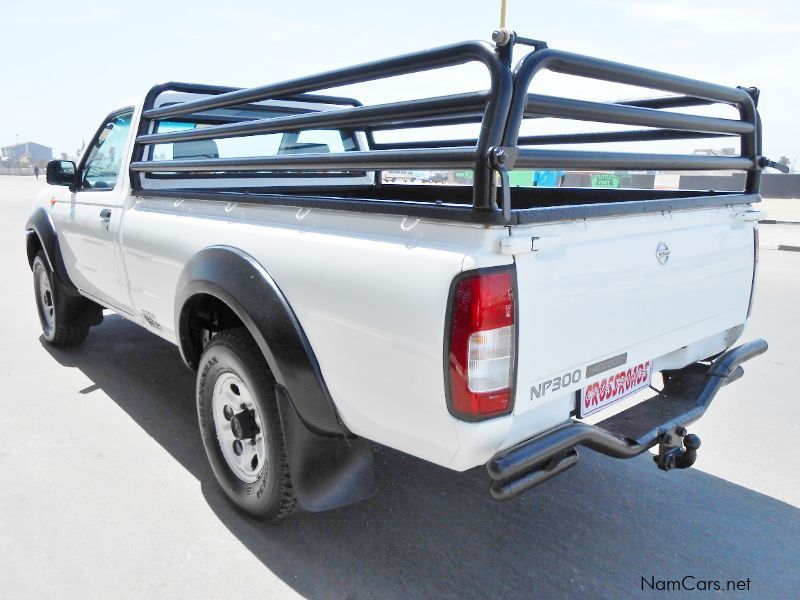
[(632, 161), (568, 63), (400, 65), (432, 158), (667, 102), (458, 118), (421, 144), (433, 121), (409, 113), (207, 89), (636, 135), (654, 103), (603, 137), (601, 112)]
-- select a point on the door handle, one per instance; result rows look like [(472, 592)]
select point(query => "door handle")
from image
[(105, 214)]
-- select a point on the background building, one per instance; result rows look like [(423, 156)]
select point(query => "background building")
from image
[(27, 154)]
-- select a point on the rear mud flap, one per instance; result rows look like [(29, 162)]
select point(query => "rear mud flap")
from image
[(326, 472)]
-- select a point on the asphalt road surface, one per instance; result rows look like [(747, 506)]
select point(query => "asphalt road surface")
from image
[(105, 491)]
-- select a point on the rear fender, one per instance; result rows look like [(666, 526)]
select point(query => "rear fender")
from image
[(328, 466)]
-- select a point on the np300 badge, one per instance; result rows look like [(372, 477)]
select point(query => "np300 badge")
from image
[(555, 384)]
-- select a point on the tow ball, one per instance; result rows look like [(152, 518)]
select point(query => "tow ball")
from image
[(677, 449)]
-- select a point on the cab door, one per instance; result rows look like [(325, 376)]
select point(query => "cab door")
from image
[(91, 225)]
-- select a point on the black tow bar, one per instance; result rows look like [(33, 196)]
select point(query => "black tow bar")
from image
[(660, 420)]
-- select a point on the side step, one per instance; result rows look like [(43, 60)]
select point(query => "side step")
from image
[(660, 420)]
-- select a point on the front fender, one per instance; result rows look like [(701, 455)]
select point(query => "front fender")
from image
[(41, 226)]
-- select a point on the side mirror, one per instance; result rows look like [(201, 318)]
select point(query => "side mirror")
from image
[(62, 172)]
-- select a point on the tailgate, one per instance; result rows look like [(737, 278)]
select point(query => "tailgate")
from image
[(640, 286)]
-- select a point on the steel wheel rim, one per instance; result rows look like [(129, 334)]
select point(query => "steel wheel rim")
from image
[(44, 294), (245, 457)]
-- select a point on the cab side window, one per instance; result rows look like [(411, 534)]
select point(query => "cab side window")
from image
[(105, 156)]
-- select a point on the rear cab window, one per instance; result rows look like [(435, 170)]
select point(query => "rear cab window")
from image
[(316, 141)]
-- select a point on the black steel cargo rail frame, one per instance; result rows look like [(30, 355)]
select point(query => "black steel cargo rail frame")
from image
[(500, 112)]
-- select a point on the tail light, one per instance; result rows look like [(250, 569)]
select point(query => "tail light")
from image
[(755, 270), (482, 345)]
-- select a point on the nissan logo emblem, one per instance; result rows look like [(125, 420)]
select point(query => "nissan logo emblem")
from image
[(662, 253)]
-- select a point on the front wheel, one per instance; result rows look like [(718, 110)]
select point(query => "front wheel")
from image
[(65, 320), (241, 428)]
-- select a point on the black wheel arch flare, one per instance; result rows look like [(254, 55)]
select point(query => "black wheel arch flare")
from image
[(41, 226), (329, 467), (237, 279)]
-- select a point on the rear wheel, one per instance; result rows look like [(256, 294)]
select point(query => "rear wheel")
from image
[(240, 426), (65, 319)]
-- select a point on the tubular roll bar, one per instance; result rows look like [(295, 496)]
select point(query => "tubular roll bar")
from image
[(500, 112)]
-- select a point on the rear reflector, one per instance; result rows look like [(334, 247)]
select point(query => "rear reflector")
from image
[(482, 340)]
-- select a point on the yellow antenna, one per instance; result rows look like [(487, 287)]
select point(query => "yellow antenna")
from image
[(502, 14)]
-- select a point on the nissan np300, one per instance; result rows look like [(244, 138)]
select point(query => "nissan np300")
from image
[(467, 325)]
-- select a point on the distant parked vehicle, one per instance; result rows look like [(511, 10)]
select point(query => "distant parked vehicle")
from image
[(434, 177), (399, 177)]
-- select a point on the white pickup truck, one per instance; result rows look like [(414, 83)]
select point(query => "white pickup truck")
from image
[(465, 325)]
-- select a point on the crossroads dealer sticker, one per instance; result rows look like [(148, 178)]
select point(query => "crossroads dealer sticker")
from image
[(621, 384)]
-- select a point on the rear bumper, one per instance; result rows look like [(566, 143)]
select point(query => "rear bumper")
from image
[(659, 420)]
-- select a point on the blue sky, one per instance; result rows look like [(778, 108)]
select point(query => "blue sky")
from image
[(65, 65)]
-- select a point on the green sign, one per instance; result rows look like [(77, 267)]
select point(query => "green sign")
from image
[(520, 178), (605, 180)]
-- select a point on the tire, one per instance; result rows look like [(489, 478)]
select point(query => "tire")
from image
[(65, 319), (241, 428)]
